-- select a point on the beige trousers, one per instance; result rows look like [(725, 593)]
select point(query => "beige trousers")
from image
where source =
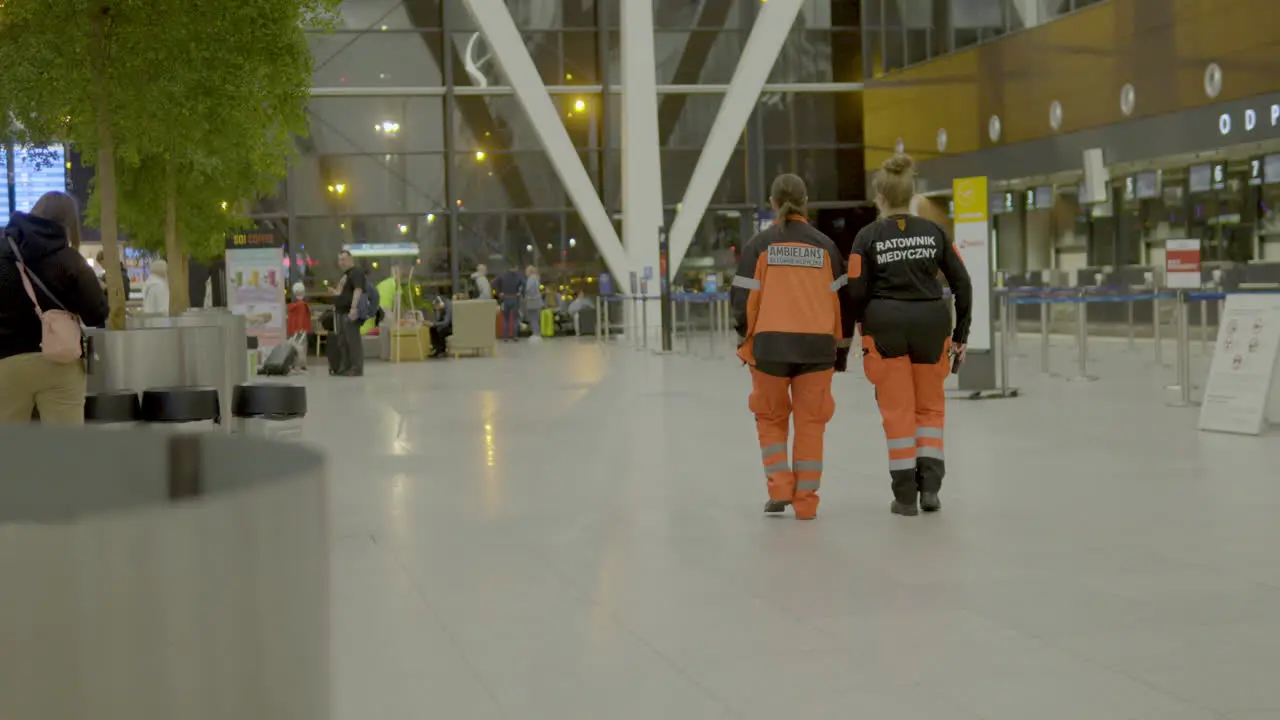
[(30, 381)]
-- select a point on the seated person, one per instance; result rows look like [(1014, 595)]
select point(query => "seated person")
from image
[(442, 328), (580, 302)]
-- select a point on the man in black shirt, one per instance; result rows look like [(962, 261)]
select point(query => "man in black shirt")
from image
[(346, 352)]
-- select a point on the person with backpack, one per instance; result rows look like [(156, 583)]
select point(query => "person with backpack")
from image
[(346, 350), (47, 291)]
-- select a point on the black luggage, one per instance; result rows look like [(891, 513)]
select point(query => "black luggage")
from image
[(282, 359)]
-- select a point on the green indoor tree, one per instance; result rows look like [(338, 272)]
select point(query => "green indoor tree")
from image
[(231, 92), (193, 101)]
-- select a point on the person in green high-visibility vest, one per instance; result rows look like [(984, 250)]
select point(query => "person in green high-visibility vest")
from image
[(387, 290)]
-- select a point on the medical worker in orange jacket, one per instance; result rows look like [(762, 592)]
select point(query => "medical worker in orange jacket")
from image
[(787, 306), (908, 339)]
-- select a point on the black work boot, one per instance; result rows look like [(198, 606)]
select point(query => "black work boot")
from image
[(772, 507), (929, 502), (904, 509)]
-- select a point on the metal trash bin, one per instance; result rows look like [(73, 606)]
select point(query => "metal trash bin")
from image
[(272, 410), (181, 409), (189, 582), (115, 409)]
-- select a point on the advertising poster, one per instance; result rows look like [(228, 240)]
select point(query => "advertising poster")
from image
[(973, 243), (256, 286), (1243, 372)]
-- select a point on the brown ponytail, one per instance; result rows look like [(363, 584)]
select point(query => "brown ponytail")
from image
[(790, 196)]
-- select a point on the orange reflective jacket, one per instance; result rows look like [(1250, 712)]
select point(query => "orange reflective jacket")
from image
[(787, 296)]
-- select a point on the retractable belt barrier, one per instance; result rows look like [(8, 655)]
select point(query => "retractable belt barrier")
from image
[(1045, 297), (637, 325)]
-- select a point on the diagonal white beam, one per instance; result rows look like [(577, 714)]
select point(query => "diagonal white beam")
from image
[(772, 26), (513, 57), (641, 156)]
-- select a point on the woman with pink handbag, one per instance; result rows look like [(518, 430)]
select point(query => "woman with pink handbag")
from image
[(47, 291)]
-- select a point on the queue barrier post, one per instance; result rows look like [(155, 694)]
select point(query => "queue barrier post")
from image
[(644, 323), (633, 320), (1156, 324), (1006, 336), (1182, 353), (713, 317), (1082, 338), (599, 318), (1203, 316), (1044, 337), (1132, 332), (688, 328), (1013, 331)]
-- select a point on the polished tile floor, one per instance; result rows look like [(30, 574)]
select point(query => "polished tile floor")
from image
[(572, 530)]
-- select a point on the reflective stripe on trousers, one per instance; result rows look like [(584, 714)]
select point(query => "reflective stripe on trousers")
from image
[(929, 443), (902, 453)]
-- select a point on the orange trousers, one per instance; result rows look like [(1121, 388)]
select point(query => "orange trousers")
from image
[(776, 401), (913, 406)]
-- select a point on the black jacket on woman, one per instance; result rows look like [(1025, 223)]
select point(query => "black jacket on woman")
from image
[(60, 267)]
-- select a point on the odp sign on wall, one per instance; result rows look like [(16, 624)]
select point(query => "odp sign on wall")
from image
[(1250, 119)]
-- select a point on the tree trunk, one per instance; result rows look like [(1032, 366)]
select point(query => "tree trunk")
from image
[(105, 180), (179, 296)]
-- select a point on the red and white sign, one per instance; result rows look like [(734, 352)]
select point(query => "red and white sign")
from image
[(1182, 264)]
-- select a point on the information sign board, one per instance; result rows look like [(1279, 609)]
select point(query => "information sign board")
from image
[(1243, 375)]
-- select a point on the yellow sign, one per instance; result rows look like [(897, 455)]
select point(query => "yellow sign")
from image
[(970, 195)]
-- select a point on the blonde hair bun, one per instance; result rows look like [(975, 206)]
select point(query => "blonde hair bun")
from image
[(899, 164)]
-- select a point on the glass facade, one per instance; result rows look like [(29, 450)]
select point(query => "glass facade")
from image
[(906, 32), (416, 136)]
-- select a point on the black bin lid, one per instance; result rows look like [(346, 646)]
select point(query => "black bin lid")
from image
[(112, 406), (179, 404), (269, 400)]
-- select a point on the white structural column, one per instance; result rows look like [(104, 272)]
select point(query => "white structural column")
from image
[(513, 57), (641, 152), (772, 26)]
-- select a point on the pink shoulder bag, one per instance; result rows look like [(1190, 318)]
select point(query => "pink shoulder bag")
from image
[(61, 339)]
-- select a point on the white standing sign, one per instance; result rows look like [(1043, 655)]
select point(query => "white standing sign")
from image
[(1182, 264), (1243, 374)]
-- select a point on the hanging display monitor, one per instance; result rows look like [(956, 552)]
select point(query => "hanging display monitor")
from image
[(1044, 197), (1146, 185), (37, 171), (1200, 178), (1271, 169)]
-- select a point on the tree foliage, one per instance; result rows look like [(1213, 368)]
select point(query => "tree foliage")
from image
[(182, 105)]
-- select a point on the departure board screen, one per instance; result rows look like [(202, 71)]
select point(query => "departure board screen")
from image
[(4, 188), (36, 172)]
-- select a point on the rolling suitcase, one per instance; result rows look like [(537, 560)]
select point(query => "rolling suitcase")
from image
[(281, 360)]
